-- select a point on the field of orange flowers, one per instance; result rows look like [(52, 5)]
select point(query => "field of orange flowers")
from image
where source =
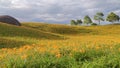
[(89, 50)]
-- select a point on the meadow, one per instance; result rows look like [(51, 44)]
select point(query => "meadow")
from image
[(40, 45)]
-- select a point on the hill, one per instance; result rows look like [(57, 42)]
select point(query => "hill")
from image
[(75, 30), (15, 35), (41, 45), (57, 28)]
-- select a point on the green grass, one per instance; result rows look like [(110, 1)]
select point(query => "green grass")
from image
[(55, 28), (89, 59), (78, 46), (75, 30), (15, 36)]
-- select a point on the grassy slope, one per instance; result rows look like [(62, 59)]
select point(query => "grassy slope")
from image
[(11, 35), (29, 33), (73, 30), (55, 28), (93, 46)]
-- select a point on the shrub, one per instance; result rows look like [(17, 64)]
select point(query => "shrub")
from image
[(93, 24)]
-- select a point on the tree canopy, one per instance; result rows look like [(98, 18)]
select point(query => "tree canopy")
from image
[(99, 17), (87, 20), (79, 22), (112, 17), (73, 22)]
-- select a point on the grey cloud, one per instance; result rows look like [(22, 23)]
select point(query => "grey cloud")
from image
[(59, 11)]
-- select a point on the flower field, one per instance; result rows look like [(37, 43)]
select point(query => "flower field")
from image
[(87, 47)]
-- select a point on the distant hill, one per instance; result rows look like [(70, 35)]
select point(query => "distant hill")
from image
[(75, 30), (57, 28)]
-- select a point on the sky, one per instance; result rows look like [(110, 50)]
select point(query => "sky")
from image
[(56, 11)]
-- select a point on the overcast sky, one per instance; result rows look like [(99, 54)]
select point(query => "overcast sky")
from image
[(56, 11)]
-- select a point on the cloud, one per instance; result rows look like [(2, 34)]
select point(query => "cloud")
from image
[(17, 4), (59, 11)]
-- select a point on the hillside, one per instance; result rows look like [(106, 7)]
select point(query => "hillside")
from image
[(54, 28), (11, 35), (40, 45), (25, 34), (75, 30)]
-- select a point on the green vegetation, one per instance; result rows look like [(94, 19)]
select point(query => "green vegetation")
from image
[(40, 45), (53, 28), (87, 20), (112, 17), (99, 17), (12, 36), (73, 22), (94, 24), (78, 22)]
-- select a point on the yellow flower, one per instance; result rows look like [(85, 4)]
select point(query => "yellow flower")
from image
[(75, 49), (42, 50), (58, 55), (27, 47), (97, 47), (82, 51), (111, 47), (55, 46), (24, 56)]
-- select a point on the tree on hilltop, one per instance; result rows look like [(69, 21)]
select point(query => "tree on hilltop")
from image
[(73, 22), (112, 17), (99, 17), (87, 20), (79, 22)]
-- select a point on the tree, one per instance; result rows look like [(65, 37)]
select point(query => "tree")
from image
[(73, 22), (99, 17), (112, 17), (79, 22), (87, 20)]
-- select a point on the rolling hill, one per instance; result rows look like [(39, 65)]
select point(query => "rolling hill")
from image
[(18, 35), (12, 36), (41, 45), (75, 30)]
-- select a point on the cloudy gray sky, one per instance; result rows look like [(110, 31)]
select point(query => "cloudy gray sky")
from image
[(56, 11)]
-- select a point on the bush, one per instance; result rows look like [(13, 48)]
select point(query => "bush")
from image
[(93, 24)]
